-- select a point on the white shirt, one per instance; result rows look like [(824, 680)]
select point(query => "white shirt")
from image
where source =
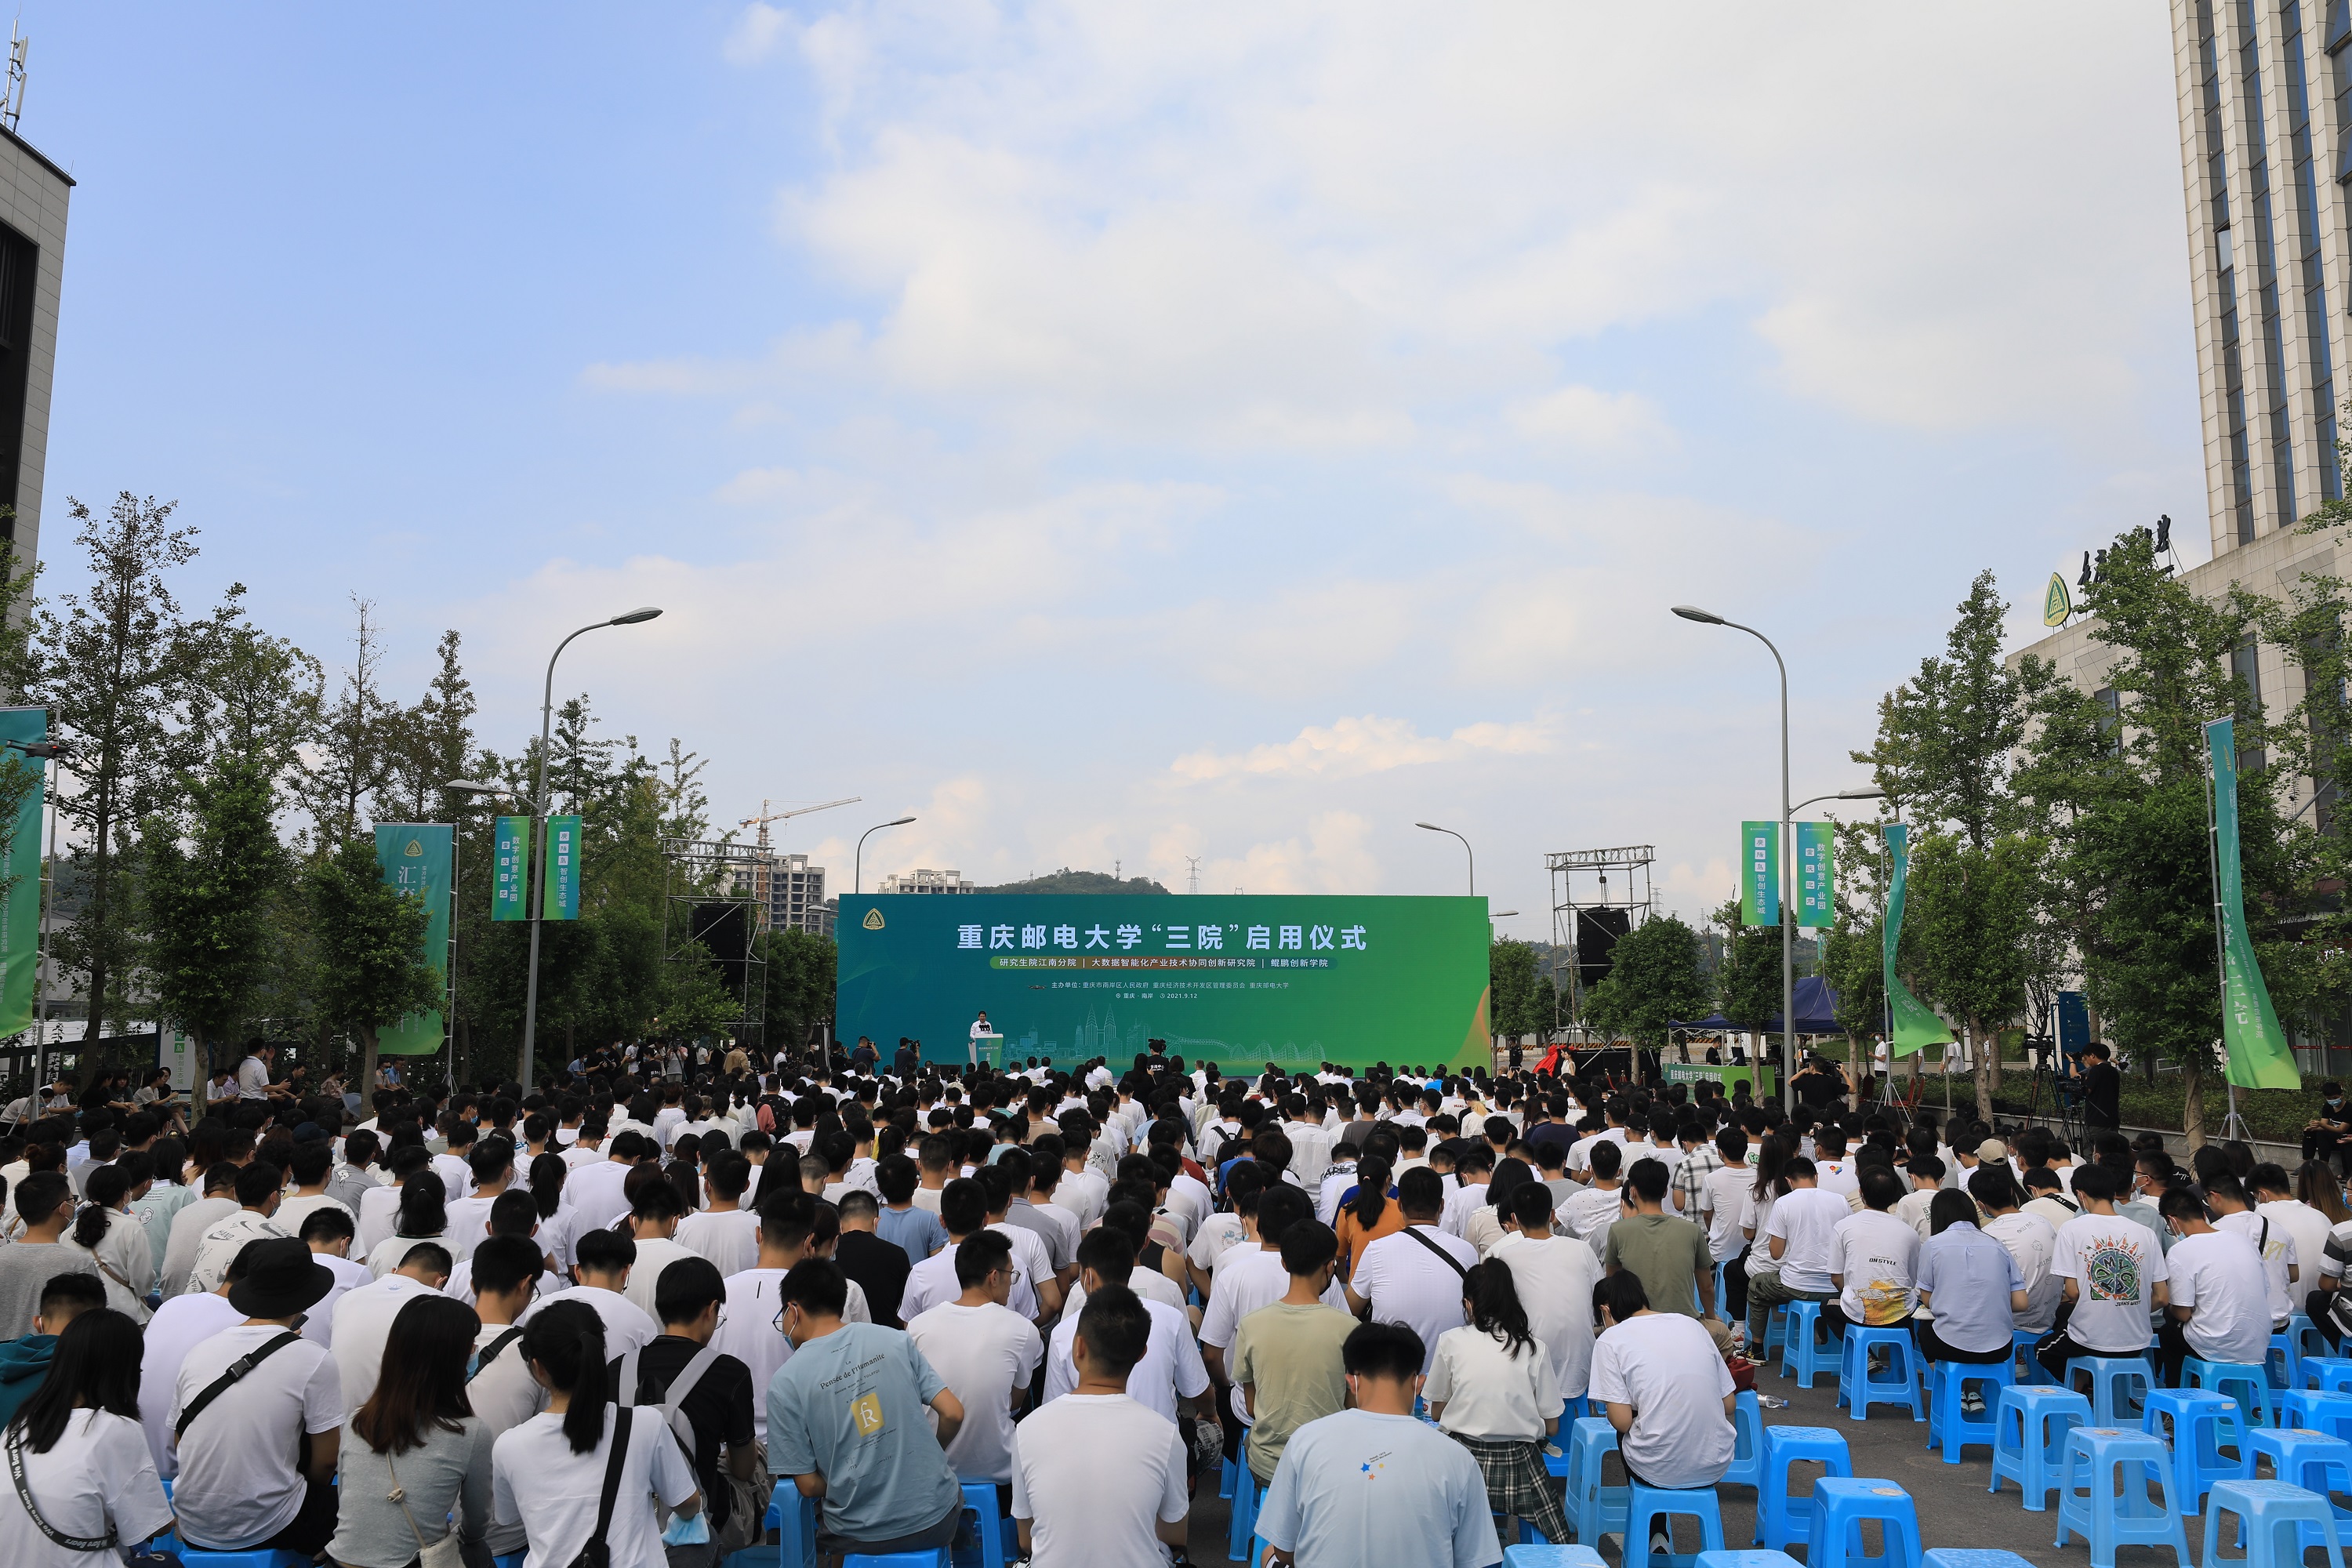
[(933, 1281), (1095, 1472), (730, 1239), (654, 1254), (1490, 1392), (363, 1327), (2309, 1228), (627, 1326), (293, 1211), (1085, 1194), (1837, 1176), (1877, 1255), (252, 1078), (2276, 1246), (178, 1326), (2033, 1244), (237, 1484), (224, 1241), (319, 1326), (470, 1225), (379, 1213), (1665, 1365), (1555, 1278), (984, 1353), (2115, 1263), (1405, 1283), (98, 1473), (537, 1481), (1250, 1278), (1807, 1220), (1722, 1203), (457, 1176), (1172, 1366), (2216, 1273)]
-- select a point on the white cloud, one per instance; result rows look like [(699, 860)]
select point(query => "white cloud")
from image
[(1623, 423), (756, 35), (1371, 745)]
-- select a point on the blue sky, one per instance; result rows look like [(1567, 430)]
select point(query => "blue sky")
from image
[(1125, 432)]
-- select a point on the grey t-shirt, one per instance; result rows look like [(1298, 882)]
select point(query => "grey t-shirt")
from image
[(850, 1406), (24, 1268)]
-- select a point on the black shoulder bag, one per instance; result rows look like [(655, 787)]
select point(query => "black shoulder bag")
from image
[(491, 1353), (236, 1369), (598, 1553), (1451, 1261)]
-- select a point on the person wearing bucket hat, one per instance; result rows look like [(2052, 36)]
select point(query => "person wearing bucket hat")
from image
[(250, 1399)]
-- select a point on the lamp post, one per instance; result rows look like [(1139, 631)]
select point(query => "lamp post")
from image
[(536, 892), (857, 866), (1466, 850)]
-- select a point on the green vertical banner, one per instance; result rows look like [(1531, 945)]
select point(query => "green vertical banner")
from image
[(1760, 873), (510, 870), (1816, 907), (20, 907), (417, 858), (1915, 1024), (2259, 1056), (560, 899)]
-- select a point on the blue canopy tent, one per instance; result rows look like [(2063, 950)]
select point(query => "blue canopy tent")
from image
[(1816, 1014)]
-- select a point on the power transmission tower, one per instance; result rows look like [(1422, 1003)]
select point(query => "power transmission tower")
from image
[(1194, 861)]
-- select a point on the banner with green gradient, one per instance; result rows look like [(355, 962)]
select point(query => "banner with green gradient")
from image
[(1915, 1024), (510, 869), (1816, 878), (559, 896), (418, 858), (20, 908), (1760, 873), (2259, 1056), (1239, 980)]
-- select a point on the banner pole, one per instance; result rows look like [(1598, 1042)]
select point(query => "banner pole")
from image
[(2233, 1125)]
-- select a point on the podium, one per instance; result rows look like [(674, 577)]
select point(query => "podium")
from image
[(988, 1049)]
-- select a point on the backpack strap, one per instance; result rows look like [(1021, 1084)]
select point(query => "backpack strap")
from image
[(491, 1353), (237, 1370), (689, 1378), (1450, 1260), (612, 1463)]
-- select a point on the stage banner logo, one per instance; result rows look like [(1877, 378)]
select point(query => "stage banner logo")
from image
[(510, 869), (1240, 981), (559, 899), (2259, 1056), (1915, 1024), (1760, 873), (418, 858)]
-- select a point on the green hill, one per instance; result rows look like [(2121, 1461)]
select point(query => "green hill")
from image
[(1068, 881)]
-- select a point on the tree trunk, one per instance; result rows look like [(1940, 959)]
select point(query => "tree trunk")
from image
[(2192, 1108), (1988, 1073), (367, 1066), (1993, 1054)]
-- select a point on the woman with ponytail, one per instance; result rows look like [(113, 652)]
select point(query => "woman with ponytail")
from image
[(116, 1244), (548, 1474), (422, 1215), (559, 1225), (1491, 1388)]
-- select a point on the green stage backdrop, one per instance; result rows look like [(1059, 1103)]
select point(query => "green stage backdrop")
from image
[(1238, 981)]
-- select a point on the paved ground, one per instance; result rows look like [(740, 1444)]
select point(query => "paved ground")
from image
[(1955, 1510)]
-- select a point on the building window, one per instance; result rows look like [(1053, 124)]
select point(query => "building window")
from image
[(2111, 721), (2307, 251), (2246, 669)]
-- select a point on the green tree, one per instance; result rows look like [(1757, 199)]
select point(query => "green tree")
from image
[(799, 978), (1519, 1000), (371, 969), (209, 898), (1747, 984), (1963, 943), (355, 747), (1654, 978)]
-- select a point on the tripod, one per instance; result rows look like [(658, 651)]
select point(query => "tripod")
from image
[(2048, 1096)]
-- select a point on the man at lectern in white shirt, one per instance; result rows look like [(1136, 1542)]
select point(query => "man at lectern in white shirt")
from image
[(981, 1030)]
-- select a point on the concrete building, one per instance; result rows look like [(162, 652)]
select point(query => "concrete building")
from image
[(791, 894), (924, 880), (34, 194)]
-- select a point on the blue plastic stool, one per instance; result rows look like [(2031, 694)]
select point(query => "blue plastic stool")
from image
[(1858, 1391), (2314, 1461), (2273, 1516), (1948, 1423), (2201, 1423), (2032, 1457), (1783, 1521), (1647, 1505), (1537, 1555), (1776, 1332), (1841, 1507), (1225, 1476), (1243, 1522), (2309, 1338), (2031, 1372), (930, 1557), (2108, 1373), (1748, 1557), (505, 1559), (2329, 1374), (2328, 1413), (1593, 1510), (1801, 1354), (2106, 1496), (988, 1524), (1748, 1452), (1971, 1557), (2281, 1362), (793, 1518), (2255, 1397)]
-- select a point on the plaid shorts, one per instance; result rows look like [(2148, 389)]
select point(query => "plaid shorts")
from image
[(1518, 1485)]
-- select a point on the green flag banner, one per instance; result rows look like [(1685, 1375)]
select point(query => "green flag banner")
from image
[(418, 858), (1915, 1024), (2259, 1055), (1815, 906), (1760, 873), (560, 899), (510, 870), (20, 908)]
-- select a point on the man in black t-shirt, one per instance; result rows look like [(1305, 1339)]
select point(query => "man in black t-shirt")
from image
[(879, 1266), (718, 1407), (2103, 1088)]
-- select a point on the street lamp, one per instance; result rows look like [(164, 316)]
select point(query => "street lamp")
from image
[(1466, 850), (1788, 929), (857, 866), (537, 890)]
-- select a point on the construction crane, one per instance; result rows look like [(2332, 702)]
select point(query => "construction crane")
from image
[(767, 816)]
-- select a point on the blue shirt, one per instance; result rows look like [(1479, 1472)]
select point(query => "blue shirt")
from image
[(1970, 1276), (850, 1406), (918, 1232), (1360, 1489)]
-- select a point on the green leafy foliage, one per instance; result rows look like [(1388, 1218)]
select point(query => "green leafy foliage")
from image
[(1654, 978)]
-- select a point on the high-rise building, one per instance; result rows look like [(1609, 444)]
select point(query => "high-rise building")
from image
[(33, 194), (791, 894), (924, 880)]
